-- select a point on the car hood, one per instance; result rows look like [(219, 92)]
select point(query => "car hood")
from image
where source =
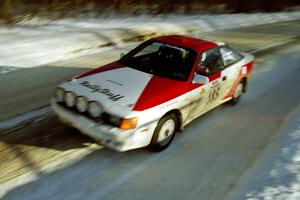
[(117, 90), (121, 89)]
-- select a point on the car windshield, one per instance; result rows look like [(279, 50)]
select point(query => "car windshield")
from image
[(161, 59)]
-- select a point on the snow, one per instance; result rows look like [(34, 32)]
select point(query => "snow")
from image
[(276, 175), (41, 41), (283, 181), (71, 157), (27, 117)]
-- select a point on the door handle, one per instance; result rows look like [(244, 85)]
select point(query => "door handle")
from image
[(224, 78)]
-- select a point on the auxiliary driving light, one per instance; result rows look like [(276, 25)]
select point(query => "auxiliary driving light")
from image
[(95, 110), (59, 94), (70, 99), (81, 104)]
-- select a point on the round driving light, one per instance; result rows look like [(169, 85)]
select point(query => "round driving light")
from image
[(70, 99), (59, 94), (95, 109), (81, 104)]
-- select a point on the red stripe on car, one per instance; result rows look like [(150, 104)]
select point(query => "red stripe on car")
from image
[(160, 90), (238, 80), (214, 76)]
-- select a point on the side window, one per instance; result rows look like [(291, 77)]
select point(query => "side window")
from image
[(229, 56), (210, 62)]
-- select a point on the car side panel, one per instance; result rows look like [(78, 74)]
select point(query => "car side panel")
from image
[(244, 68)]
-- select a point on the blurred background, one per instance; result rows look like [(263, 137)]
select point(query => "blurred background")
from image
[(45, 42), (15, 10)]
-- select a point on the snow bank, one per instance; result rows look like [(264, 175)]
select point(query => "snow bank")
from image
[(37, 42), (276, 175), (282, 180), (29, 117)]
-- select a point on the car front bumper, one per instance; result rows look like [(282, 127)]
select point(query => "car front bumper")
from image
[(107, 135)]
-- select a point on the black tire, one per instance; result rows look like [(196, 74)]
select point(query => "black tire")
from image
[(238, 93), (157, 145)]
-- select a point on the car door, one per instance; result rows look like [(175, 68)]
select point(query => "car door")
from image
[(206, 96), (232, 68)]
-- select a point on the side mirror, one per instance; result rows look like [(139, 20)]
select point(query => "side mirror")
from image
[(199, 79), (122, 54), (201, 70)]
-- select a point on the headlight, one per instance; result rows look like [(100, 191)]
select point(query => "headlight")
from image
[(59, 94), (95, 110), (81, 104), (127, 124), (70, 98)]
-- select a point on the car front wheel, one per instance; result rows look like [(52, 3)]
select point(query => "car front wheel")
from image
[(164, 132)]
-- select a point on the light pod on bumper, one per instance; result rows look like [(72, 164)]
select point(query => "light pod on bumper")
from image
[(70, 99), (81, 104), (59, 94), (95, 109)]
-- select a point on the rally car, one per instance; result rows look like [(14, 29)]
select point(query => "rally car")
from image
[(152, 92)]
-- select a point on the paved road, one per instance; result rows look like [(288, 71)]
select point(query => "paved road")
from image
[(28, 89), (49, 160)]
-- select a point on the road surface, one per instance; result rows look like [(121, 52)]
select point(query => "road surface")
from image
[(49, 160)]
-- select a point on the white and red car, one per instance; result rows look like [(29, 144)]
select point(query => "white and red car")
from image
[(153, 91)]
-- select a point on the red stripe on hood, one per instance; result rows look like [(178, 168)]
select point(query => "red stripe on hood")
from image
[(111, 66), (160, 90)]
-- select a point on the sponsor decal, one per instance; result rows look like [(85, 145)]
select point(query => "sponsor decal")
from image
[(170, 46), (202, 91), (213, 94), (114, 82), (214, 91), (244, 70), (215, 84), (101, 90)]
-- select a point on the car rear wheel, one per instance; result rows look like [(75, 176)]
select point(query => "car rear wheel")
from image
[(164, 132), (237, 93)]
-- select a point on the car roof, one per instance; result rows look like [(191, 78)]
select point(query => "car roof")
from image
[(188, 42)]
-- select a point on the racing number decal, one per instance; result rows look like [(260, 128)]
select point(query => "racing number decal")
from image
[(214, 93)]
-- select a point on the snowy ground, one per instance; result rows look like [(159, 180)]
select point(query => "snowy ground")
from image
[(37, 42), (216, 151), (276, 174)]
